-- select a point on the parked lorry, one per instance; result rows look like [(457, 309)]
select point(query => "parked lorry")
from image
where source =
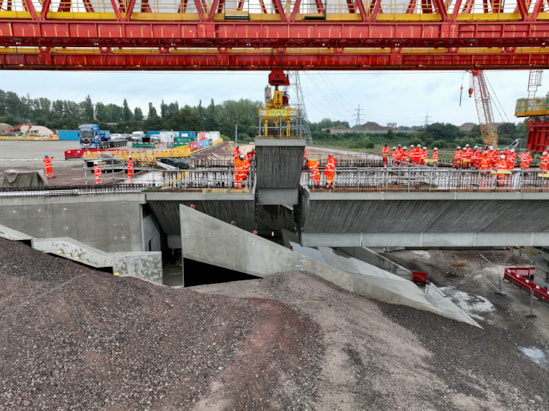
[(91, 136)]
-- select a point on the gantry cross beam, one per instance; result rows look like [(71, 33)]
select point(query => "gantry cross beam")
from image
[(266, 34)]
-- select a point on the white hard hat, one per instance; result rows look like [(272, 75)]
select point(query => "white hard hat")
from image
[(466, 145), (435, 148), (419, 145), (405, 147), (425, 148), (512, 150), (458, 147), (502, 156), (394, 148)]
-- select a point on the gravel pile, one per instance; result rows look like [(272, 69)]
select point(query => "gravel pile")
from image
[(76, 338)]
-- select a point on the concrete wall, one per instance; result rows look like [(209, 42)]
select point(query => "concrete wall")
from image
[(211, 241), (108, 222), (425, 219)]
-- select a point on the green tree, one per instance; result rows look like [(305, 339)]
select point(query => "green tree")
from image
[(87, 110), (126, 112)]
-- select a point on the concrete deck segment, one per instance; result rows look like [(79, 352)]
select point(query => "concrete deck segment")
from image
[(424, 219), (278, 170), (214, 242)]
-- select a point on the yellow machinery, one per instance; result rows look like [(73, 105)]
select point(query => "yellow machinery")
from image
[(277, 118)]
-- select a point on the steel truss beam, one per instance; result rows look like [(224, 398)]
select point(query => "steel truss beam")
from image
[(428, 34), (264, 59)]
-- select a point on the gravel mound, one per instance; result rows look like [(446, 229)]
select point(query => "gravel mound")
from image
[(77, 338)]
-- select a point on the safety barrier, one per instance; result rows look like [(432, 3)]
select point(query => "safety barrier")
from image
[(145, 179), (430, 179), (512, 274)]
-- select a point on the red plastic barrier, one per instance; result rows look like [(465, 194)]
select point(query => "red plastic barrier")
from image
[(419, 277), (526, 284), (73, 153)]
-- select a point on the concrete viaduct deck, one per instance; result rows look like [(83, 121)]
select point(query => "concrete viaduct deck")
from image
[(374, 207)]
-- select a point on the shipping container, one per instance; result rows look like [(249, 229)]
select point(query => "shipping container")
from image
[(68, 134)]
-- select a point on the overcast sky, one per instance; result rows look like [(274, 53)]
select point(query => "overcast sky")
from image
[(406, 97)]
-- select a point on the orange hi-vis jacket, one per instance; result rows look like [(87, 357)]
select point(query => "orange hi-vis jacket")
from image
[(414, 155), (314, 171), (484, 161), (494, 154), (525, 160), (435, 156), (385, 152), (457, 158), (423, 156), (544, 162)]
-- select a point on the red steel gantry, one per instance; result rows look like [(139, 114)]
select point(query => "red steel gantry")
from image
[(266, 34)]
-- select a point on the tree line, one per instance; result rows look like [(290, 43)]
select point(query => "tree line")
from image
[(226, 117)]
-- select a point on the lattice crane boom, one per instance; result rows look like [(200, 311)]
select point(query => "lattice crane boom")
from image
[(479, 90)]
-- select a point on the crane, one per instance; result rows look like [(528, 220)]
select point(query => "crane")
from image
[(479, 90), (537, 111)]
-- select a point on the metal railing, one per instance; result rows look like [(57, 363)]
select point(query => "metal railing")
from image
[(350, 179), (430, 179), (146, 179)]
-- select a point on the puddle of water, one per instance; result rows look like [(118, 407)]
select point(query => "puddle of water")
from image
[(536, 355)]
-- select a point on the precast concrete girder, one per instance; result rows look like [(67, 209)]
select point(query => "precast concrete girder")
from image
[(424, 219), (426, 240)]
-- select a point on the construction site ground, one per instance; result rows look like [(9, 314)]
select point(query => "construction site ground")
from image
[(78, 338)]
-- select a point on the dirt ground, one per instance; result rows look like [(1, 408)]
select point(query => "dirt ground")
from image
[(81, 339), (76, 338)]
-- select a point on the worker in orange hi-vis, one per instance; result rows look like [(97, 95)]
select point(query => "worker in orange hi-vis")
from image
[(394, 157), (475, 158), (404, 156), (97, 172), (434, 157), (329, 171), (385, 155), (238, 171), (494, 156), (484, 161), (48, 167), (236, 152), (314, 172), (466, 154), (457, 158), (246, 164), (525, 160), (544, 165), (502, 171), (413, 153), (130, 168), (511, 158), (423, 156)]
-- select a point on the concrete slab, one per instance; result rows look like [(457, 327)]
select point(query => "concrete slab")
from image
[(146, 265)]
